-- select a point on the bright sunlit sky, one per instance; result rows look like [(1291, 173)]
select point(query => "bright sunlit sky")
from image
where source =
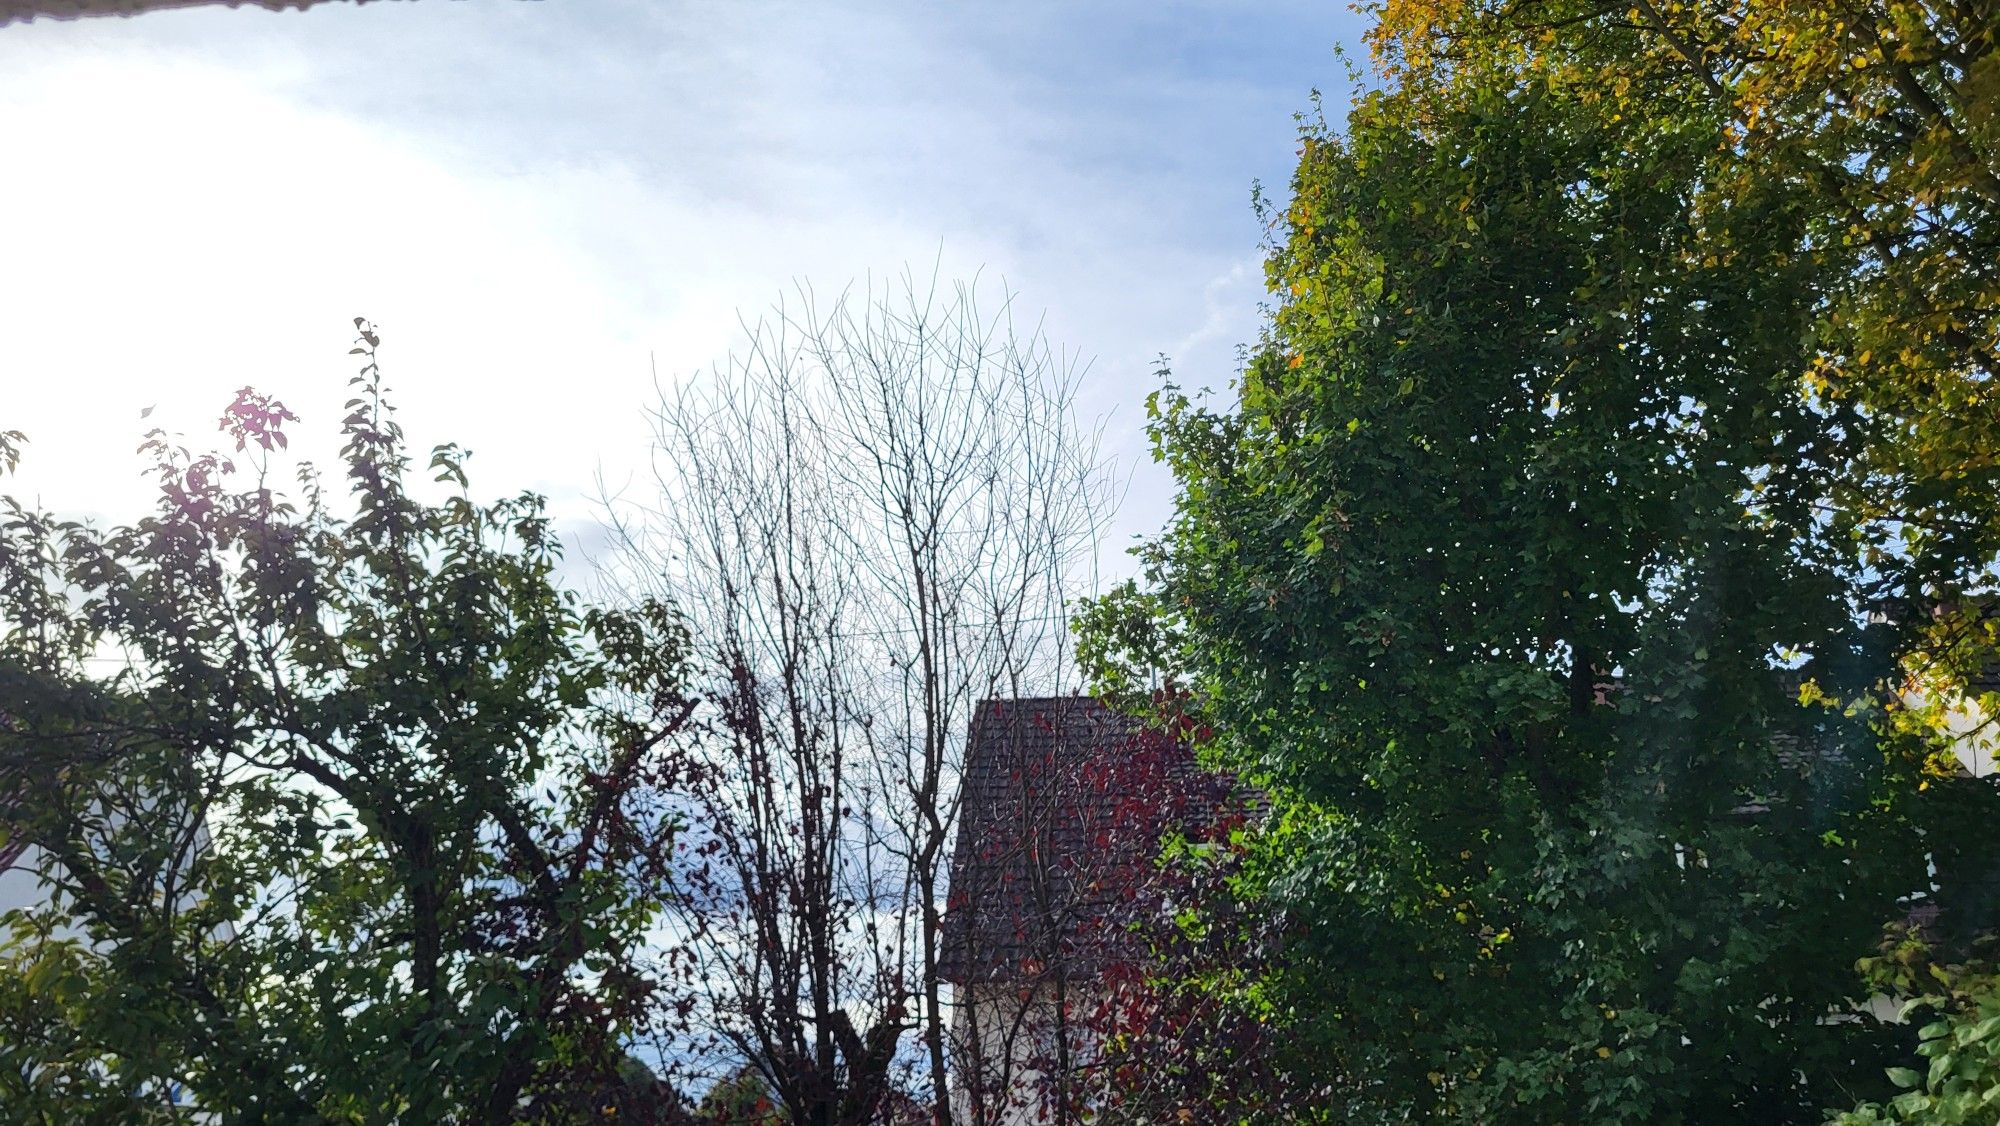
[(538, 201)]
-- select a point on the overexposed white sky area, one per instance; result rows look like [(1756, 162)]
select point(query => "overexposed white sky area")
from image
[(537, 201)]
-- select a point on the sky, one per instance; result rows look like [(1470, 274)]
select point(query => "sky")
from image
[(542, 204)]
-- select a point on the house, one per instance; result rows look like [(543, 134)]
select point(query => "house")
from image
[(1064, 805)]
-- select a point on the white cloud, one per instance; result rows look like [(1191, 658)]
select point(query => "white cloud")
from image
[(536, 200)]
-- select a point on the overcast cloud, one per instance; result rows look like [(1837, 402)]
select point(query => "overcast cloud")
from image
[(538, 201)]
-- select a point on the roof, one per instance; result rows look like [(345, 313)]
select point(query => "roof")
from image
[(1064, 805)]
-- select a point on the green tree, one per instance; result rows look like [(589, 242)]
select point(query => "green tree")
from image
[(1955, 1080), (1886, 116), (1523, 571), (343, 815), (742, 1099), (1885, 119)]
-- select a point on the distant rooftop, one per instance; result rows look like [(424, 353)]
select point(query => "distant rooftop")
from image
[(1065, 802)]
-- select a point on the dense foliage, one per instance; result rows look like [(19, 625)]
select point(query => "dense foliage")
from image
[(1883, 118), (1954, 1079), (1613, 459), (335, 817)]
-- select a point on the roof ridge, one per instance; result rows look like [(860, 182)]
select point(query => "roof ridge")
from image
[(989, 701)]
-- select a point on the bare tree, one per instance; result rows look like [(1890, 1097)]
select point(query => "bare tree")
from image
[(875, 516)]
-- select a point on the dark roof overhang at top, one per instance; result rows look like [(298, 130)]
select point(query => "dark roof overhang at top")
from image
[(20, 11)]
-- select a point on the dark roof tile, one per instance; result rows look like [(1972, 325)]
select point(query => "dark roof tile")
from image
[(1064, 805)]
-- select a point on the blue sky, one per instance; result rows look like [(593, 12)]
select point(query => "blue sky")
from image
[(540, 201)]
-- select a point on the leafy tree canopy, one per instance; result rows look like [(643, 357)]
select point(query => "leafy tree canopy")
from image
[(1539, 570), (1954, 1078), (1884, 120), (344, 811)]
